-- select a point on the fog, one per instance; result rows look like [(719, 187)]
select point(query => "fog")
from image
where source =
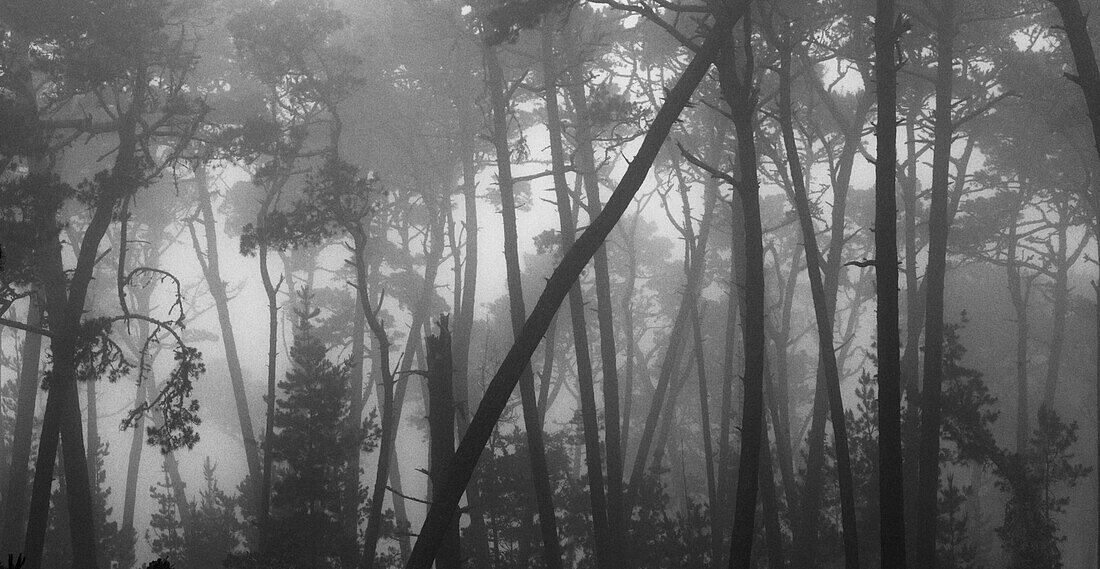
[(540, 283)]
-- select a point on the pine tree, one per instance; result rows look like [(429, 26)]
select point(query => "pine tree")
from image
[(313, 435)]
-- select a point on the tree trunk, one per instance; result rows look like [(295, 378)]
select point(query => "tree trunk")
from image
[(891, 487), (772, 534), (15, 486), (738, 92), (704, 410), (939, 224), (464, 323), (272, 291), (826, 353), (720, 515), (133, 464), (560, 282), (441, 424), (211, 268), (389, 434), (1062, 263), (532, 421), (1019, 289)]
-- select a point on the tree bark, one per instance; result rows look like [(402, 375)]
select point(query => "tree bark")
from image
[(575, 259), (891, 487)]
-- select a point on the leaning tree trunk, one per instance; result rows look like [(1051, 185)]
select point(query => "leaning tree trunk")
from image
[(15, 486), (561, 281), (826, 350), (210, 263), (939, 224), (532, 421), (891, 489)]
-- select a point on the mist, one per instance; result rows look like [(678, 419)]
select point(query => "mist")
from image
[(323, 284)]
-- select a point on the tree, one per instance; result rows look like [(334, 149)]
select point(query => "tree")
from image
[(891, 493), (140, 78)]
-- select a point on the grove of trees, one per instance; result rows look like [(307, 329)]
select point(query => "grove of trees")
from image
[(549, 283)]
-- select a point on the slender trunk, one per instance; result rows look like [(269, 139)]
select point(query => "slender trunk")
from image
[(605, 312), (211, 267), (704, 409), (548, 350), (772, 534), (1019, 290), (464, 323), (891, 487), (133, 465), (628, 338), (826, 353), (532, 421), (575, 259), (441, 423), (1060, 312), (15, 486), (272, 291), (725, 454), (738, 92), (385, 378), (350, 508), (939, 224), (604, 546), (778, 400), (914, 323)]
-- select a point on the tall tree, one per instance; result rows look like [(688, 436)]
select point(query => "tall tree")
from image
[(891, 494)]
